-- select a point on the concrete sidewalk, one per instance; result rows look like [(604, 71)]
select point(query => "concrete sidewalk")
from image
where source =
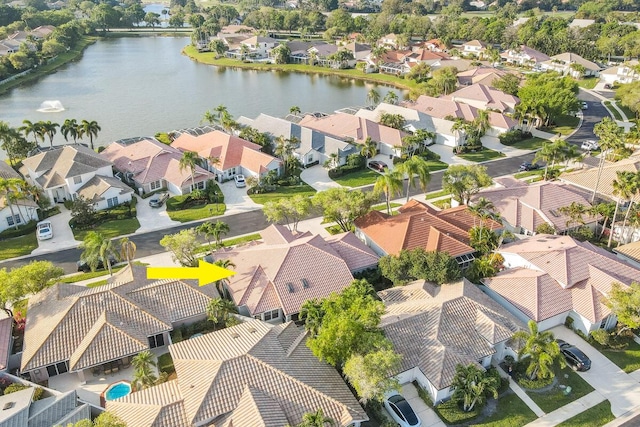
[(567, 411)]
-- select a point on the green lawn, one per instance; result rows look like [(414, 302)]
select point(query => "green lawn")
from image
[(525, 174), (511, 412), (628, 359), (627, 112), (358, 178), (383, 206), (165, 363), (197, 212), (98, 283), (436, 165), (588, 83), (553, 399), (442, 204), (451, 413), (534, 143), (304, 190), (595, 416), (18, 246), (436, 194), (613, 110), (482, 155), (111, 228), (565, 124), (90, 275)]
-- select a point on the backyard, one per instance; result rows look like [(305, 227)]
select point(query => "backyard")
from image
[(302, 189)]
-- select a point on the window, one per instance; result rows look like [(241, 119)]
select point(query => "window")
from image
[(155, 185), (112, 202), (271, 315), (198, 186), (77, 180), (13, 220), (156, 341), (57, 369)]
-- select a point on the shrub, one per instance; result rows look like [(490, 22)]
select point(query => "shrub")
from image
[(602, 337), (12, 388), (513, 136), (568, 322), (22, 230), (582, 233)]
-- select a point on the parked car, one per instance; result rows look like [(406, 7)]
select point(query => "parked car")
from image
[(158, 200), (585, 106), (401, 411), (574, 356), (44, 230), (608, 86), (83, 265), (378, 166), (240, 181), (590, 145), (526, 166)]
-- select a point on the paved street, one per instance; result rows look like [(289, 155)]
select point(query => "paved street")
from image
[(592, 116)]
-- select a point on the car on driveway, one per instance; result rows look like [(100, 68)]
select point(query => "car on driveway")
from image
[(44, 230), (240, 181), (157, 200), (574, 356), (83, 265), (401, 412), (526, 166), (378, 166), (590, 145)]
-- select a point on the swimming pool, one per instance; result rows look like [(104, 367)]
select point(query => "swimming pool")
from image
[(117, 390)]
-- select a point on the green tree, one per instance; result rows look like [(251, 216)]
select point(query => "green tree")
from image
[(312, 312), (343, 206), (547, 96), (391, 98), (294, 110), (50, 129), (415, 168), (36, 276), (10, 291), (463, 181), (97, 247), (14, 144), (395, 121), (8, 189), (541, 350), (509, 83), (444, 81), (483, 239), (105, 419), (83, 211), (290, 211), (215, 230), (219, 311), (29, 127), (373, 97), (89, 128), (369, 373), (152, 19), (189, 161), (624, 302), (316, 419), (389, 184), (127, 250), (419, 73), (575, 213), (183, 246), (472, 385), (70, 127), (369, 148), (144, 375), (420, 264), (629, 96)]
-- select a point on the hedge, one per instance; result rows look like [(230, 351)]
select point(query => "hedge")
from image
[(513, 136), (22, 230)]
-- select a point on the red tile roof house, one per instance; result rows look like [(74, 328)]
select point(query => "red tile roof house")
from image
[(420, 226), (234, 155), (435, 328), (524, 207), (343, 125), (549, 278), (275, 277), (151, 165)]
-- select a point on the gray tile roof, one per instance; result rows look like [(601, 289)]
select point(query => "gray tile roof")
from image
[(98, 185), (7, 172)]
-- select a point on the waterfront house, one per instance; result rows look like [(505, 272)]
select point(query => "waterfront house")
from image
[(480, 75), (485, 98), (21, 211)]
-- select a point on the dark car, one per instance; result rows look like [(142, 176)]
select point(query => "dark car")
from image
[(158, 200), (84, 266), (608, 86), (379, 166), (529, 166), (574, 356)]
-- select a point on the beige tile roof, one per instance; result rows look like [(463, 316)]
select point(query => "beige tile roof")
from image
[(149, 161), (246, 376), (529, 206), (343, 125), (90, 326), (568, 58), (98, 185), (230, 150), (587, 178), (7, 172), (418, 226), (269, 274), (630, 250), (491, 98), (484, 75), (565, 275), (435, 328), (64, 162)]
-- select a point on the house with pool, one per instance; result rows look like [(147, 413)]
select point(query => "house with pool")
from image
[(84, 338)]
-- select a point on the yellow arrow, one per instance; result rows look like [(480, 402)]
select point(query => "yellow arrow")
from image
[(205, 273)]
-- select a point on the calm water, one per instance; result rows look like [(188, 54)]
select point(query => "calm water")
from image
[(140, 86)]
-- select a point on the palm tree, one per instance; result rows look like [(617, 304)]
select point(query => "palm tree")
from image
[(69, 127), (312, 313), (389, 183), (483, 209), (90, 128), (610, 135), (391, 98), (208, 117), (220, 284), (606, 211), (143, 375), (127, 250), (294, 110), (189, 160), (471, 386), (29, 127), (316, 419), (622, 189), (40, 130), (631, 183), (482, 123), (96, 247), (575, 213), (458, 127), (416, 165), (219, 310), (50, 129), (373, 97), (542, 350), (369, 148), (7, 189)]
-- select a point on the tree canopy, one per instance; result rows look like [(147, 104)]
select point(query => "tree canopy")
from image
[(415, 264), (343, 206), (463, 181)]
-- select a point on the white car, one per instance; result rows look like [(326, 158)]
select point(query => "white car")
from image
[(590, 145), (44, 230), (585, 106), (401, 412), (240, 182)]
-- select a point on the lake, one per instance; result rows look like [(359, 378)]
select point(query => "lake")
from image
[(138, 86)]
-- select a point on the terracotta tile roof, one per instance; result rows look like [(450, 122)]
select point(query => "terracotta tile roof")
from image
[(229, 149), (344, 125), (529, 206), (245, 376), (98, 185), (53, 166), (630, 250), (418, 226), (587, 178), (490, 97), (435, 328), (286, 269), (149, 161), (90, 326)]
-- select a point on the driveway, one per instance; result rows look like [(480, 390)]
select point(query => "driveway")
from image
[(494, 144), (621, 389), (62, 235), (237, 199), (152, 218), (428, 417), (318, 177), (446, 155)]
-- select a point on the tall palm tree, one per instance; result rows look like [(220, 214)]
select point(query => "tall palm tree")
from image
[(90, 128), (623, 191), (41, 130), (189, 160), (606, 211), (389, 183), (208, 117), (29, 127), (631, 182), (219, 310), (575, 213), (458, 127), (610, 135), (50, 129), (481, 122), (391, 98), (7, 189), (373, 97), (220, 284), (97, 247), (127, 250), (369, 148), (69, 127), (144, 375), (471, 386), (542, 350), (417, 166), (316, 419), (312, 313)]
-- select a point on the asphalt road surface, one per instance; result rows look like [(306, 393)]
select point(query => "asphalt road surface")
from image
[(592, 115)]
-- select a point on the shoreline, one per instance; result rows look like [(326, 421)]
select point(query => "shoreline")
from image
[(208, 58)]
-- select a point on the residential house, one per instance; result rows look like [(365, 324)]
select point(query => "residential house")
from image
[(524, 207), (20, 211), (252, 374), (254, 47), (566, 63), (319, 54), (228, 155), (485, 98), (435, 328), (276, 276), (42, 31), (300, 50), (434, 45), (627, 72), (151, 165), (421, 226), (550, 278), (390, 40), (480, 75), (524, 56), (358, 129), (360, 51), (629, 253), (474, 47), (313, 147), (6, 342), (74, 330), (426, 56), (65, 173)]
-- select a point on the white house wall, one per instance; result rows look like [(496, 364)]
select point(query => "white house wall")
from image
[(110, 193), (556, 320)]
